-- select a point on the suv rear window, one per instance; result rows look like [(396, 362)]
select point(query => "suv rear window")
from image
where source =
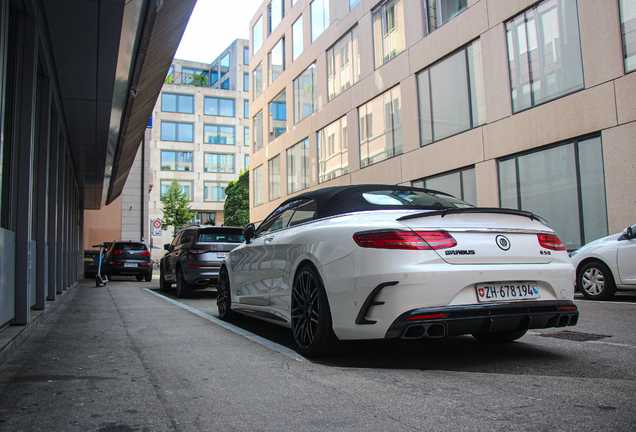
[(130, 246), (218, 236)]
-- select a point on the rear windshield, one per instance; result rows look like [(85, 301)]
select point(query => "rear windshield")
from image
[(217, 236), (130, 246), (413, 199)]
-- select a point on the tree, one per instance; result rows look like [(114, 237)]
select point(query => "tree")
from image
[(236, 210), (176, 207)]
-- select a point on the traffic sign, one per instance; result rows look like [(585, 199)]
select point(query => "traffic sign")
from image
[(156, 227)]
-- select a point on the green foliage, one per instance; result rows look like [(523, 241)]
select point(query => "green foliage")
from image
[(176, 207), (236, 210)]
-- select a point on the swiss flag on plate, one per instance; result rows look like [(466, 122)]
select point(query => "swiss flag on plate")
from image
[(481, 292)]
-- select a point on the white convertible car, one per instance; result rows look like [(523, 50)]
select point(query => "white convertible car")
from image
[(379, 261), (606, 265)]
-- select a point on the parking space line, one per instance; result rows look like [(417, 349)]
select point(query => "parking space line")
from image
[(239, 331)]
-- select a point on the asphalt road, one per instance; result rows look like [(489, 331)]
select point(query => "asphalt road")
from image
[(128, 358)]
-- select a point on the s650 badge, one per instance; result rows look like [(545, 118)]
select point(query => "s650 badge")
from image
[(460, 252)]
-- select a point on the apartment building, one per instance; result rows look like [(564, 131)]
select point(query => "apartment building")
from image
[(199, 133), (518, 104)]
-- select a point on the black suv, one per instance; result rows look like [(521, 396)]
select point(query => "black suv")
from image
[(127, 258), (195, 255)]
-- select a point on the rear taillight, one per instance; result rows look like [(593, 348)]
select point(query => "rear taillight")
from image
[(410, 240), (550, 241), (426, 317), (115, 252), (197, 251), (145, 253)]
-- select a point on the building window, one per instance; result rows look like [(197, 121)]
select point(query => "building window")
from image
[(218, 163), (246, 81), (218, 134), (214, 191), (246, 108), (177, 103), (247, 161), (257, 35), (273, 168), (628, 27), (218, 106), (176, 160), (333, 158), (298, 167), (225, 85), (197, 77), (276, 60), (319, 18), (461, 184), (257, 78), (259, 196), (257, 127), (305, 93), (343, 64), (173, 131), (353, 4), (564, 184), (544, 53), (275, 14), (246, 132), (246, 55), (185, 185), (214, 74), (204, 218), (225, 64), (439, 12), (388, 31), (451, 95), (381, 128), (297, 38), (278, 116)]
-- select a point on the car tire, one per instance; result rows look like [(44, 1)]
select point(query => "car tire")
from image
[(223, 297), (164, 285), (183, 287), (148, 277), (499, 337), (140, 278), (595, 281), (310, 315)]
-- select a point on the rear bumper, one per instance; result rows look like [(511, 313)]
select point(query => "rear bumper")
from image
[(120, 270), (483, 318), (201, 275)]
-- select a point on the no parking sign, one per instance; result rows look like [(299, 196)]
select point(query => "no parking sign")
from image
[(156, 227)]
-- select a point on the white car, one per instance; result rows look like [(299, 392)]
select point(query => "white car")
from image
[(606, 264), (379, 261)]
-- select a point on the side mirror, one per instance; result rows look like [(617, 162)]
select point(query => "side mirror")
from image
[(249, 232), (628, 233), (167, 247)]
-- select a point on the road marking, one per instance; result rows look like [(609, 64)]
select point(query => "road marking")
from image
[(239, 331)]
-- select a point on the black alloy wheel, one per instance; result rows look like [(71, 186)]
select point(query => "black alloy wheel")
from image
[(183, 288), (164, 285), (223, 297), (310, 315)]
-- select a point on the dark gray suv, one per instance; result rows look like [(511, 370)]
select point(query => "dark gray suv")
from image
[(194, 257)]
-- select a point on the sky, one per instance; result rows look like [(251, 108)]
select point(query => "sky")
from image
[(213, 26)]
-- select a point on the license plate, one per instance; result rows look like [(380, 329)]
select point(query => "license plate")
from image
[(507, 291), (130, 264), (221, 254), (89, 260)]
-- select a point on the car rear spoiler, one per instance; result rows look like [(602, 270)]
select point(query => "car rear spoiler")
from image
[(494, 210)]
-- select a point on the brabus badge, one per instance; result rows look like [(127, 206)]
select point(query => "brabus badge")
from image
[(502, 242)]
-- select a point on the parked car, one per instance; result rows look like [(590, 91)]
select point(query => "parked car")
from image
[(91, 260), (194, 257), (606, 265), (380, 261), (127, 258)]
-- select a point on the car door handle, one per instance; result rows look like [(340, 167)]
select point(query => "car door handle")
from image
[(268, 240)]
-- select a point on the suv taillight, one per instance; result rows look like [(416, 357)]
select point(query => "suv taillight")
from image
[(115, 252), (410, 240), (550, 241), (145, 253)]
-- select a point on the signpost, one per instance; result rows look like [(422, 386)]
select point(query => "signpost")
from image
[(156, 227)]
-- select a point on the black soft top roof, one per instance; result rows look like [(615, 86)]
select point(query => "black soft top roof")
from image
[(337, 200)]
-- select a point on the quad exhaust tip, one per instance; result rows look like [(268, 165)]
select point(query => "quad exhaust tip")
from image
[(417, 331)]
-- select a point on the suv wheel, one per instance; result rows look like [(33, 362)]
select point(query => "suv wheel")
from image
[(183, 288), (164, 285)]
